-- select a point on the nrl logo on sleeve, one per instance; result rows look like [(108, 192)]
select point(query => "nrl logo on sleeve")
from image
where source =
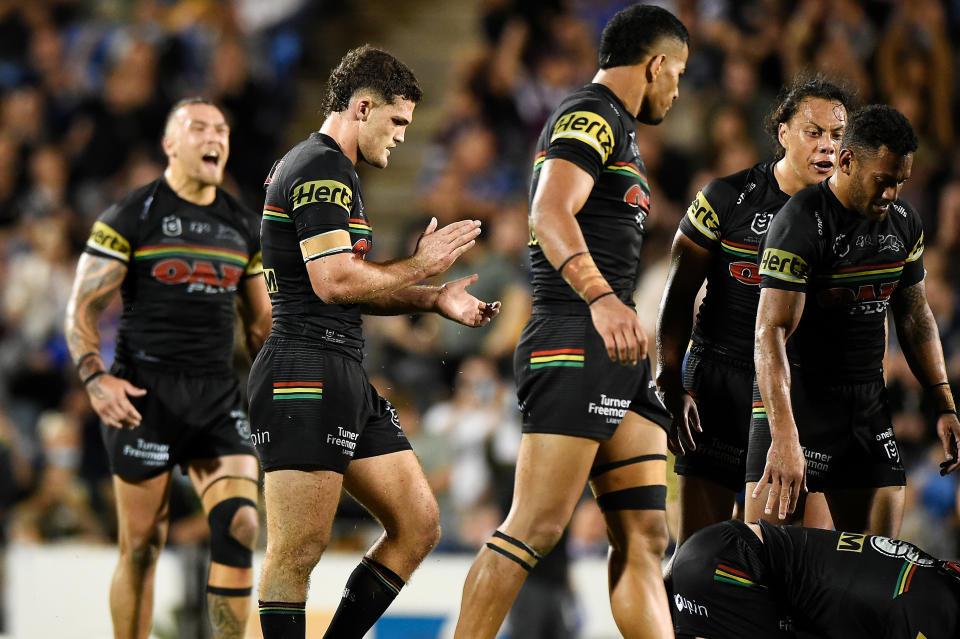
[(761, 222), (171, 226)]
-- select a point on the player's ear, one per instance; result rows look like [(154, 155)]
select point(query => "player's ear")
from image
[(654, 66), (166, 142), (783, 130), (845, 161), (363, 108)]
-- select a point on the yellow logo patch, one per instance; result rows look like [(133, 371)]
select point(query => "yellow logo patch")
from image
[(270, 278), (917, 250), (587, 127), (255, 265), (703, 217), (850, 542), (784, 265), (106, 239), (323, 191)]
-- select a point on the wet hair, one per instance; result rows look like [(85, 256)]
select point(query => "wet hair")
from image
[(792, 96), (879, 125), (631, 34), (371, 69), (195, 99)]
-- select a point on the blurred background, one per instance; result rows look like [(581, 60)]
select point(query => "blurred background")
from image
[(85, 86)]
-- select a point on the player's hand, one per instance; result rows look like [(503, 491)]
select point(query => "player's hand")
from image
[(455, 303), (620, 328), (437, 249), (108, 396), (948, 430), (786, 471), (686, 419)]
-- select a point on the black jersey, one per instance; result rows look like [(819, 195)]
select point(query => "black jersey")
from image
[(839, 584), (185, 263), (592, 129), (729, 217), (313, 208), (848, 266)]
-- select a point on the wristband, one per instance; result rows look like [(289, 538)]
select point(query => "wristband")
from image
[(590, 303), (948, 411), (93, 377), (85, 357), (567, 261), (584, 277)]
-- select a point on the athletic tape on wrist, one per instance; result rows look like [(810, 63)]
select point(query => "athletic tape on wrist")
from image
[(583, 276)]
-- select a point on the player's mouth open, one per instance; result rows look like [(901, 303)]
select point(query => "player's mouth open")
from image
[(211, 158), (823, 166)]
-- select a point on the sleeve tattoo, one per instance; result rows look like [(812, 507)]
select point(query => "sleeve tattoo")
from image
[(97, 281)]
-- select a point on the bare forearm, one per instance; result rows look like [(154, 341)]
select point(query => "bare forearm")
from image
[(367, 282), (412, 299), (919, 336), (674, 325), (773, 379), (96, 283)]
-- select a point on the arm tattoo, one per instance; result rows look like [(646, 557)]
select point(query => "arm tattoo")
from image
[(97, 281), (914, 320), (224, 620)]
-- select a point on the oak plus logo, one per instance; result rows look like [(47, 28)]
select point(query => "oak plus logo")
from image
[(689, 606)]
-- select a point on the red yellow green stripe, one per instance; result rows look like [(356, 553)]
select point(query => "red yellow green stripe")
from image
[(566, 357), (759, 410), (298, 390), (740, 250), (190, 250), (276, 214), (359, 225), (729, 575), (382, 577), (628, 168), (866, 272), (903, 581), (539, 159)]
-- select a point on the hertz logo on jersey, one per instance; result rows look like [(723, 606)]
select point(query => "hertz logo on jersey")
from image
[(703, 217), (587, 127), (106, 240), (323, 191), (784, 265)]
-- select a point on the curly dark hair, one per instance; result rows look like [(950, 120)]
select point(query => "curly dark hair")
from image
[(629, 35), (879, 125), (372, 69), (793, 94)]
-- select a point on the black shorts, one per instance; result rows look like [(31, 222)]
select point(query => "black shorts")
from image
[(721, 587), (185, 417), (567, 384), (313, 408), (846, 432), (723, 390)]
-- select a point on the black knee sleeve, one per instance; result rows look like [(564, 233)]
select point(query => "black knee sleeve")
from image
[(224, 547), (636, 498)]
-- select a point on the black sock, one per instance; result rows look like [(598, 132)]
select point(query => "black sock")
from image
[(283, 619), (371, 588)]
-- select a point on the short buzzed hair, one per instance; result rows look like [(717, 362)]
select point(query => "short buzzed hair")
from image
[(196, 99), (367, 67), (629, 35), (879, 125)]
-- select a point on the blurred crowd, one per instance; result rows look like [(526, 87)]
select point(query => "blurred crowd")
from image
[(84, 89)]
